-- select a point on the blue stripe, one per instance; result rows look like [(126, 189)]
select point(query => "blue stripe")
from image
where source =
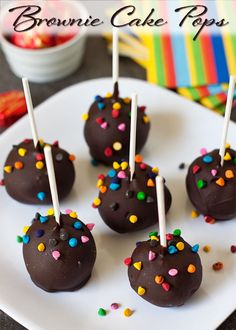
[(220, 59), (180, 61)]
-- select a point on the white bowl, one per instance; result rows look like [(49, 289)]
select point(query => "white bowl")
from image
[(48, 64)]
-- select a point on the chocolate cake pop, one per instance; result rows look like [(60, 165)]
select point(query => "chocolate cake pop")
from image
[(59, 257), (127, 206), (25, 173), (107, 128), (212, 187), (165, 277)]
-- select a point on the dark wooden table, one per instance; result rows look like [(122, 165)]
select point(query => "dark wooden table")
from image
[(96, 64)]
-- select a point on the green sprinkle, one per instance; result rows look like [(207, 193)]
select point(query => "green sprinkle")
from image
[(141, 196), (102, 312), (153, 233), (19, 239), (235, 160), (201, 184), (177, 232)]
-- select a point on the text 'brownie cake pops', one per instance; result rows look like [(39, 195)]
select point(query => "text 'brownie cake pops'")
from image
[(127, 195), (107, 123), (165, 270), (59, 250), (211, 178), (25, 172)]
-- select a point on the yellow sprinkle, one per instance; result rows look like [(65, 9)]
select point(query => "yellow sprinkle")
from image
[(50, 212), (194, 214), (227, 146), (154, 238), (229, 174), (146, 119), (155, 170), (99, 183), (41, 142), (108, 94), (73, 215), (159, 279), (116, 106), (8, 169), (116, 165), (128, 312), (127, 100), (41, 247), (180, 246), (85, 116), (206, 248), (133, 218), (191, 268), (124, 165), (39, 165), (227, 156), (141, 290), (138, 265), (22, 152), (97, 201), (25, 229), (117, 146)]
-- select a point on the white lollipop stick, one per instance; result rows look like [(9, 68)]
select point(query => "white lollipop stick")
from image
[(30, 111), (161, 209), (228, 110), (115, 54), (132, 141), (52, 182)]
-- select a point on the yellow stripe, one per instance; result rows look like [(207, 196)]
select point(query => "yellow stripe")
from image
[(191, 62), (184, 92)]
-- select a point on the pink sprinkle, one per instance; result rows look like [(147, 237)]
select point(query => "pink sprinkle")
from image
[(56, 255), (173, 272), (114, 306), (84, 239), (121, 175), (151, 256), (203, 151), (68, 211), (104, 125), (90, 226), (214, 172), (143, 166), (122, 127)]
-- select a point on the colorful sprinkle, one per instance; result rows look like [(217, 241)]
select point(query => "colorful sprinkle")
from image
[(128, 261), (85, 116), (39, 156), (104, 125), (56, 254), (172, 249), (141, 196), (127, 100), (98, 98), (102, 312), (233, 248), (114, 306), (207, 159), (209, 219), (121, 174), (73, 242), (177, 232), (182, 166), (220, 182), (41, 195), (114, 186), (128, 312), (19, 239), (138, 159), (146, 119), (195, 248), (206, 248), (103, 189), (99, 120), (191, 268), (124, 165), (214, 172), (229, 174), (227, 156), (90, 226), (143, 166), (2, 183), (8, 169), (159, 279), (117, 146), (39, 165), (153, 233), (194, 214), (121, 127), (108, 152), (41, 247), (150, 183), (115, 114), (97, 201), (173, 272), (18, 165), (218, 266), (138, 265), (84, 239), (203, 151), (77, 225), (112, 173), (141, 290), (196, 169), (151, 255), (180, 246), (71, 157), (201, 184), (133, 218), (116, 165), (116, 106), (22, 152), (39, 233), (169, 236), (25, 229), (165, 286), (43, 219), (108, 95), (101, 105)]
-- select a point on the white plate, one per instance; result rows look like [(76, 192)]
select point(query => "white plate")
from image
[(179, 129)]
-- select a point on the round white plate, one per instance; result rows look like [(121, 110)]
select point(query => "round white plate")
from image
[(179, 128)]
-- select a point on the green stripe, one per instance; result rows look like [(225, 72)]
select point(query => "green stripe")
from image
[(197, 52), (160, 73)]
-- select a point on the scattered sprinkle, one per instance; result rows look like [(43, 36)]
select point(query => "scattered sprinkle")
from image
[(25, 239), (121, 127), (166, 286), (73, 242), (194, 214), (108, 152), (97, 201), (220, 182), (8, 169), (39, 233), (73, 215), (227, 156), (138, 159), (177, 232), (41, 247), (214, 172), (22, 152), (196, 169), (102, 312), (85, 116), (195, 248), (39, 165), (191, 269), (209, 219), (203, 151), (19, 239), (229, 174), (159, 279), (50, 212), (207, 159), (141, 196), (71, 157), (173, 272), (128, 261), (206, 248), (201, 184), (84, 239), (41, 195), (117, 146), (233, 248), (180, 246), (78, 225), (115, 306), (116, 106), (128, 312), (141, 290), (25, 229), (56, 255), (138, 265), (18, 165), (218, 266), (151, 255), (43, 219), (182, 166), (133, 218)]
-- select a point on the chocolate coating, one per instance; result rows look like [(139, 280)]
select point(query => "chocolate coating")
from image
[(176, 288), (100, 139), (213, 199), (118, 205), (29, 184), (73, 267)]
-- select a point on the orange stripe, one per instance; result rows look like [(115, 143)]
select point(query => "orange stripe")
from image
[(208, 59), (168, 61)]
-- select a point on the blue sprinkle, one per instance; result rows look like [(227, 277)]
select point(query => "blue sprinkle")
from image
[(41, 195), (73, 242), (101, 105), (114, 186), (77, 225), (207, 159), (39, 233), (151, 175), (112, 173), (43, 219), (195, 248), (98, 98), (172, 249), (25, 239), (94, 162), (116, 180)]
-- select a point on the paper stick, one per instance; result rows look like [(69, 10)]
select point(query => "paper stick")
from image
[(161, 209), (52, 182), (132, 141), (115, 55), (30, 111), (228, 110)]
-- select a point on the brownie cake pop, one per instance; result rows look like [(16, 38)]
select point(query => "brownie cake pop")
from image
[(211, 182), (127, 206), (165, 270), (59, 250), (25, 172), (107, 123)]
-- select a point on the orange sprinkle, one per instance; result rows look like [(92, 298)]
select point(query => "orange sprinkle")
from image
[(159, 279), (103, 189), (229, 174), (18, 165), (220, 182), (150, 183), (72, 157), (191, 268), (138, 159)]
